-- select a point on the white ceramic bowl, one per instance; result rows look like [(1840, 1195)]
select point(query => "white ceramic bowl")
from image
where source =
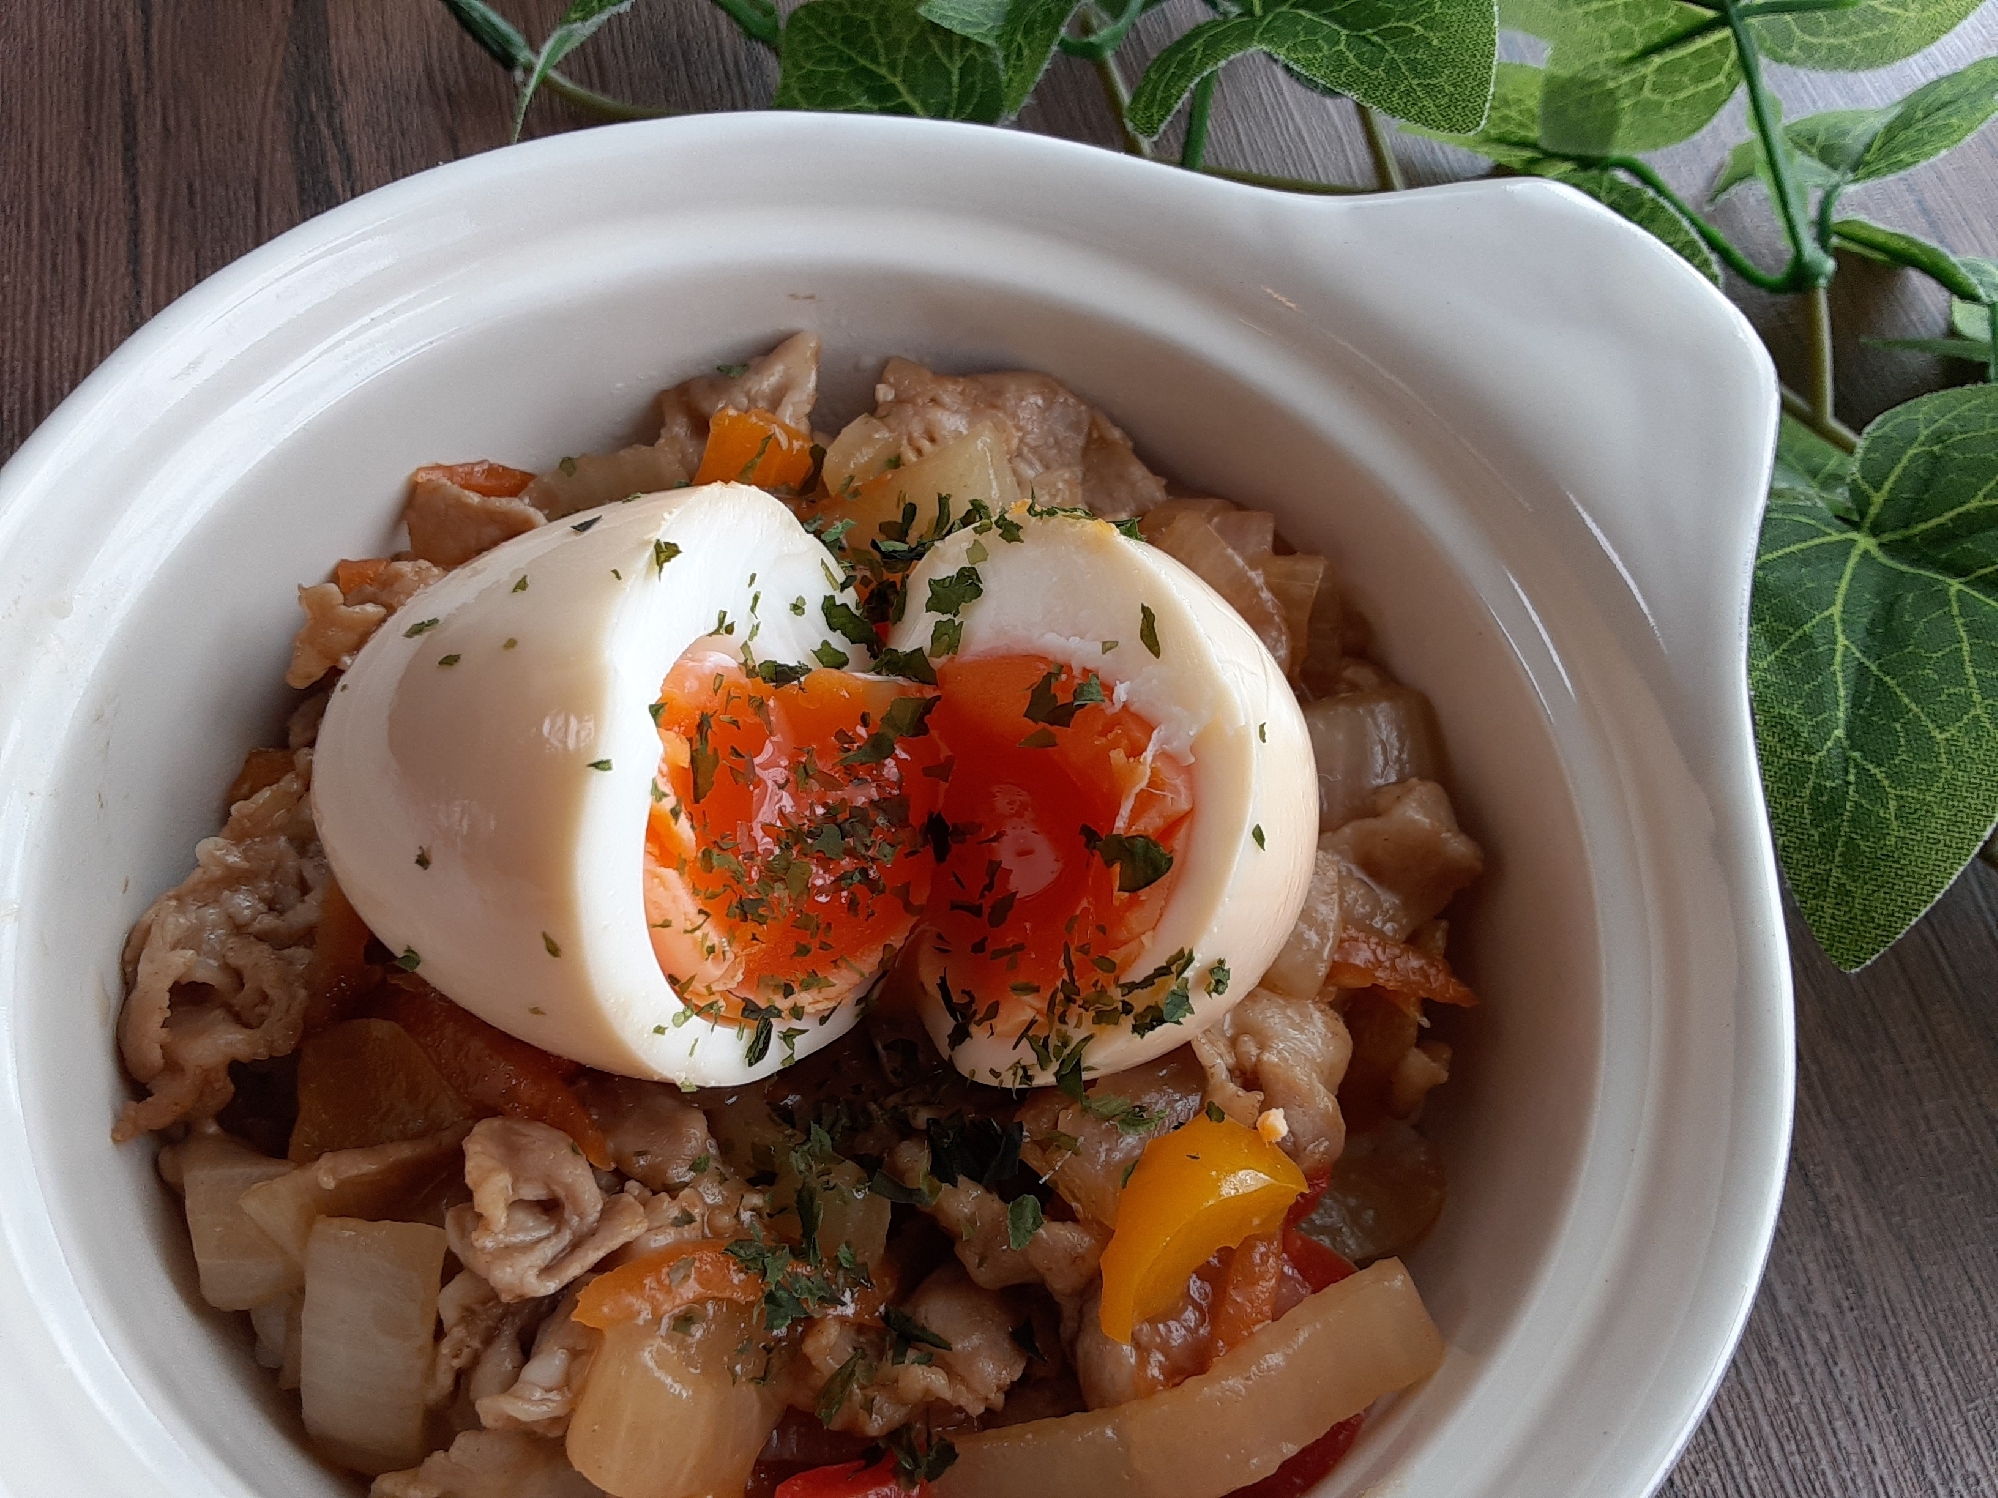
[(1534, 442)]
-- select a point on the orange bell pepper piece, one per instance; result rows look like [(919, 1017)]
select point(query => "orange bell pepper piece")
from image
[(653, 1287), (754, 447), (492, 1070), (1204, 1187)]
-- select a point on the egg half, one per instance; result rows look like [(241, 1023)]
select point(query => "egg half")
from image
[(1131, 805), (635, 788), (488, 773)]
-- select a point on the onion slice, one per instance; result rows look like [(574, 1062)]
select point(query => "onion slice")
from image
[(1284, 1387)]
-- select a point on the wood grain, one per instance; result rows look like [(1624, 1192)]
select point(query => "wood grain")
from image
[(150, 144)]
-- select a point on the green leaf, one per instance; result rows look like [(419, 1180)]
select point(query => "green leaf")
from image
[(1426, 61), (981, 20), (1843, 146), (578, 24), (1972, 317), (1825, 150), (1869, 35), (1873, 663), (1025, 32), (1510, 137), (1642, 207), (884, 57), (1933, 119), (1892, 247), (1632, 75)]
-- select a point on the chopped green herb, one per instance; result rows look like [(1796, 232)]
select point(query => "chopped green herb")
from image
[(582, 525), (1215, 1115), (911, 665), (600, 764), (1140, 861), (510, 641), (1040, 738), (1256, 832), (1218, 978), (759, 1043), (423, 858), (521, 586), (568, 467), (830, 655), (662, 553), (912, 1331), (449, 660), (1110, 645), (1148, 629), (950, 594), (832, 1398), (945, 636), (732, 371), (798, 606), (421, 626), (408, 961), (537, 1009), (1263, 733), (1023, 1220), (845, 623), (548, 942), (778, 674)]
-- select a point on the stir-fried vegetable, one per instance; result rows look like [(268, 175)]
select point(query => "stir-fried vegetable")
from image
[(1281, 1390), (1204, 1187), (492, 1070), (653, 1288), (675, 1410), (370, 1314), (754, 447), (240, 1266)]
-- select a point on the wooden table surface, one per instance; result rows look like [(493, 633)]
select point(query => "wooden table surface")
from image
[(147, 145)]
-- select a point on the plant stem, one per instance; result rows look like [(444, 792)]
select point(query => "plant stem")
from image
[(1387, 170), (1823, 376), (1285, 184), (1810, 263), (1106, 37), (1198, 113), (602, 104), (1111, 76), (1834, 431), (1714, 240), (1991, 362)]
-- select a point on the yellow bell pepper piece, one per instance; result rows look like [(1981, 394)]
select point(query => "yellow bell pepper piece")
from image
[(1202, 1188)]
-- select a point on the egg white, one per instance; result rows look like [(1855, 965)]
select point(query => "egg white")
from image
[(484, 771), (1065, 589)]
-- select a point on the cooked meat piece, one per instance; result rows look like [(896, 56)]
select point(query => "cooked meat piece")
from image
[(1045, 426), (215, 968), (537, 1217), (654, 1135), (449, 525), (1066, 1254), (971, 1375), (338, 623), (471, 1314), (1403, 862), (784, 382), (1294, 1052), (583, 483), (1421, 1067), (982, 1361), (1115, 484), (1217, 1060), (490, 1464), (544, 1396), (1086, 1148), (332, 635), (717, 1205)]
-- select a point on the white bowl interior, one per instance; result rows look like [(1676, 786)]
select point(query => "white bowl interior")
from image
[(554, 343)]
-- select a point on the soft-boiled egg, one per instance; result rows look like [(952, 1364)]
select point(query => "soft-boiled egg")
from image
[(1131, 807), (585, 786)]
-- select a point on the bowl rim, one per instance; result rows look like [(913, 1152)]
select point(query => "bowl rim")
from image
[(153, 366)]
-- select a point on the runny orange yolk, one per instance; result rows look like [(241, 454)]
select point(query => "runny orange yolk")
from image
[(785, 849), (798, 831), (1032, 897)]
